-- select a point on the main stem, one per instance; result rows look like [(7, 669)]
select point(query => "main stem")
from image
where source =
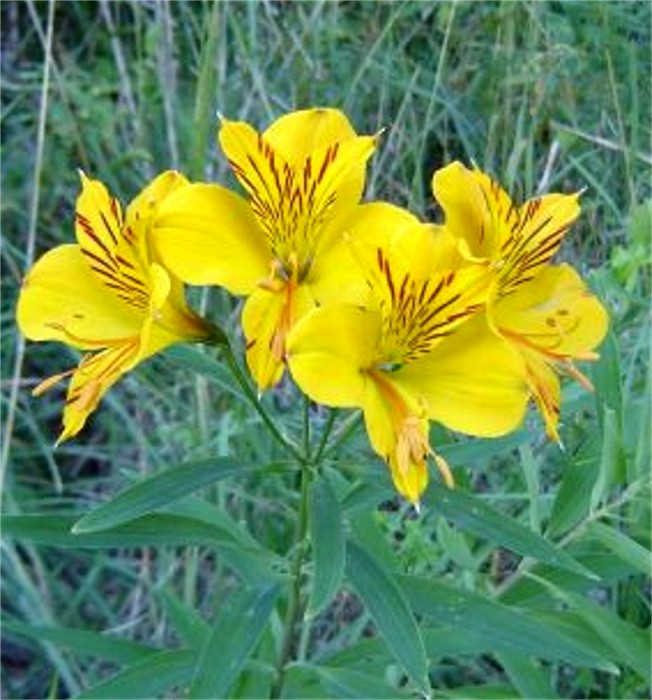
[(294, 604)]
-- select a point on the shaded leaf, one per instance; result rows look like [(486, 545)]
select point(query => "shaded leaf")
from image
[(327, 537), (622, 546), (506, 626), (237, 630), (529, 679), (147, 678), (345, 683), (121, 651), (472, 514), (157, 491), (389, 609)]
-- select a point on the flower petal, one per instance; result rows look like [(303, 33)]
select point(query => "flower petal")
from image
[(545, 388), (62, 300), (474, 207), (554, 314), (328, 351), (296, 204), (95, 375), (473, 381), (267, 317), (145, 204), (115, 250), (207, 235), (535, 237), (297, 135), (397, 433)]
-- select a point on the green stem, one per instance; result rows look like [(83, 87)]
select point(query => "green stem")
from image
[(253, 399), (306, 428), (330, 422), (294, 604)]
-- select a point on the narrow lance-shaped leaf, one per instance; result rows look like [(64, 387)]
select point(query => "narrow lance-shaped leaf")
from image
[(86, 642), (147, 678), (622, 546), (470, 513), (327, 537), (389, 609), (157, 491), (509, 627), (235, 635)]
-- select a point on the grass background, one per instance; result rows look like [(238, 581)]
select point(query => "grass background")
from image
[(545, 95)]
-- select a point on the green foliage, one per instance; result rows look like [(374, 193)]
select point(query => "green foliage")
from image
[(157, 555)]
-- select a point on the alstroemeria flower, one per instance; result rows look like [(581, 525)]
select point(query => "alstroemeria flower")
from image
[(546, 312), (106, 295), (282, 247), (411, 354)]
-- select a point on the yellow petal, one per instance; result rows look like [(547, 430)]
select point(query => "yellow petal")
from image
[(472, 203), (541, 224), (267, 318), (296, 204), (95, 375), (173, 321), (207, 235), (62, 300), (472, 382), (398, 432), (555, 314), (162, 186), (297, 135), (544, 385), (328, 351), (115, 250)]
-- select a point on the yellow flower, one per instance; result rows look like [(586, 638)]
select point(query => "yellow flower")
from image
[(282, 247), (411, 354), (546, 312), (107, 295), (552, 320)]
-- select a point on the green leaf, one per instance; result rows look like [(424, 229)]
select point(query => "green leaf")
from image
[(608, 471), (630, 644), (188, 623), (606, 376), (121, 651), (327, 537), (622, 546), (157, 491), (389, 609), (189, 357), (478, 450), (147, 678), (345, 683), (156, 529), (507, 627), (235, 635), (529, 679), (574, 495), (470, 513)]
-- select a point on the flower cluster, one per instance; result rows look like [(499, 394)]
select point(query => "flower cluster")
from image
[(367, 306)]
